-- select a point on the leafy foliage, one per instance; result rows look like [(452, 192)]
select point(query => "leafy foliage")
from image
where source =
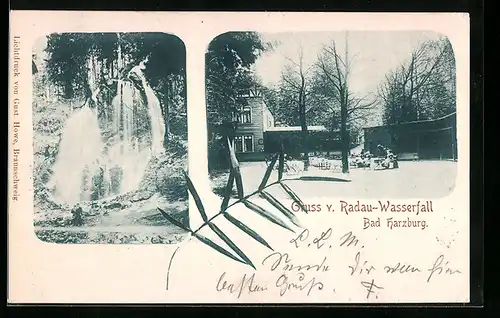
[(73, 56), (66, 64), (68, 54)]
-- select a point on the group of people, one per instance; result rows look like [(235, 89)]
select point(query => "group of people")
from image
[(364, 159), (389, 158), (383, 158), (361, 160)]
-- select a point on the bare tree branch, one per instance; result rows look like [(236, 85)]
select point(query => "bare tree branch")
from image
[(291, 61), (359, 104), (290, 81), (329, 76)]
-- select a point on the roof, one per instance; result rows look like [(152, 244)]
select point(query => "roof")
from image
[(413, 122), (297, 128)]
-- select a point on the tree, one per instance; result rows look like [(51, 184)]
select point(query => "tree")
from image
[(333, 77), (86, 65), (295, 90), (282, 102), (423, 87), (229, 58)]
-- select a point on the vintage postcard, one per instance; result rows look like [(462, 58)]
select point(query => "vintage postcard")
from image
[(240, 158)]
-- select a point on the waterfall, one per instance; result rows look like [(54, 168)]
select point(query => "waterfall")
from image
[(87, 168), (157, 122), (78, 158), (116, 103), (154, 111), (130, 154)]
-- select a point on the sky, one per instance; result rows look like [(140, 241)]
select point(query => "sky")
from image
[(376, 53)]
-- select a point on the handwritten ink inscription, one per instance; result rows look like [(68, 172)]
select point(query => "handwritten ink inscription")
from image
[(318, 242), (441, 266), (244, 284), (285, 283), (293, 275), (370, 287)]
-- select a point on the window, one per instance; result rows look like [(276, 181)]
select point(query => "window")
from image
[(244, 117), (243, 143), (238, 144), (248, 143)]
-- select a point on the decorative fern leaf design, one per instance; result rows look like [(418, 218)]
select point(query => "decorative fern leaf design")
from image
[(247, 230), (235, 176)]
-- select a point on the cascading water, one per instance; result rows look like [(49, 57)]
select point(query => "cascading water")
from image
[(78, 158), (87, 168), (129, 155), (154, 111), (157, 123)]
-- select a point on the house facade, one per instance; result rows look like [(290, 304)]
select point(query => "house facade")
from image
[(253, 120), (256, 134)]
